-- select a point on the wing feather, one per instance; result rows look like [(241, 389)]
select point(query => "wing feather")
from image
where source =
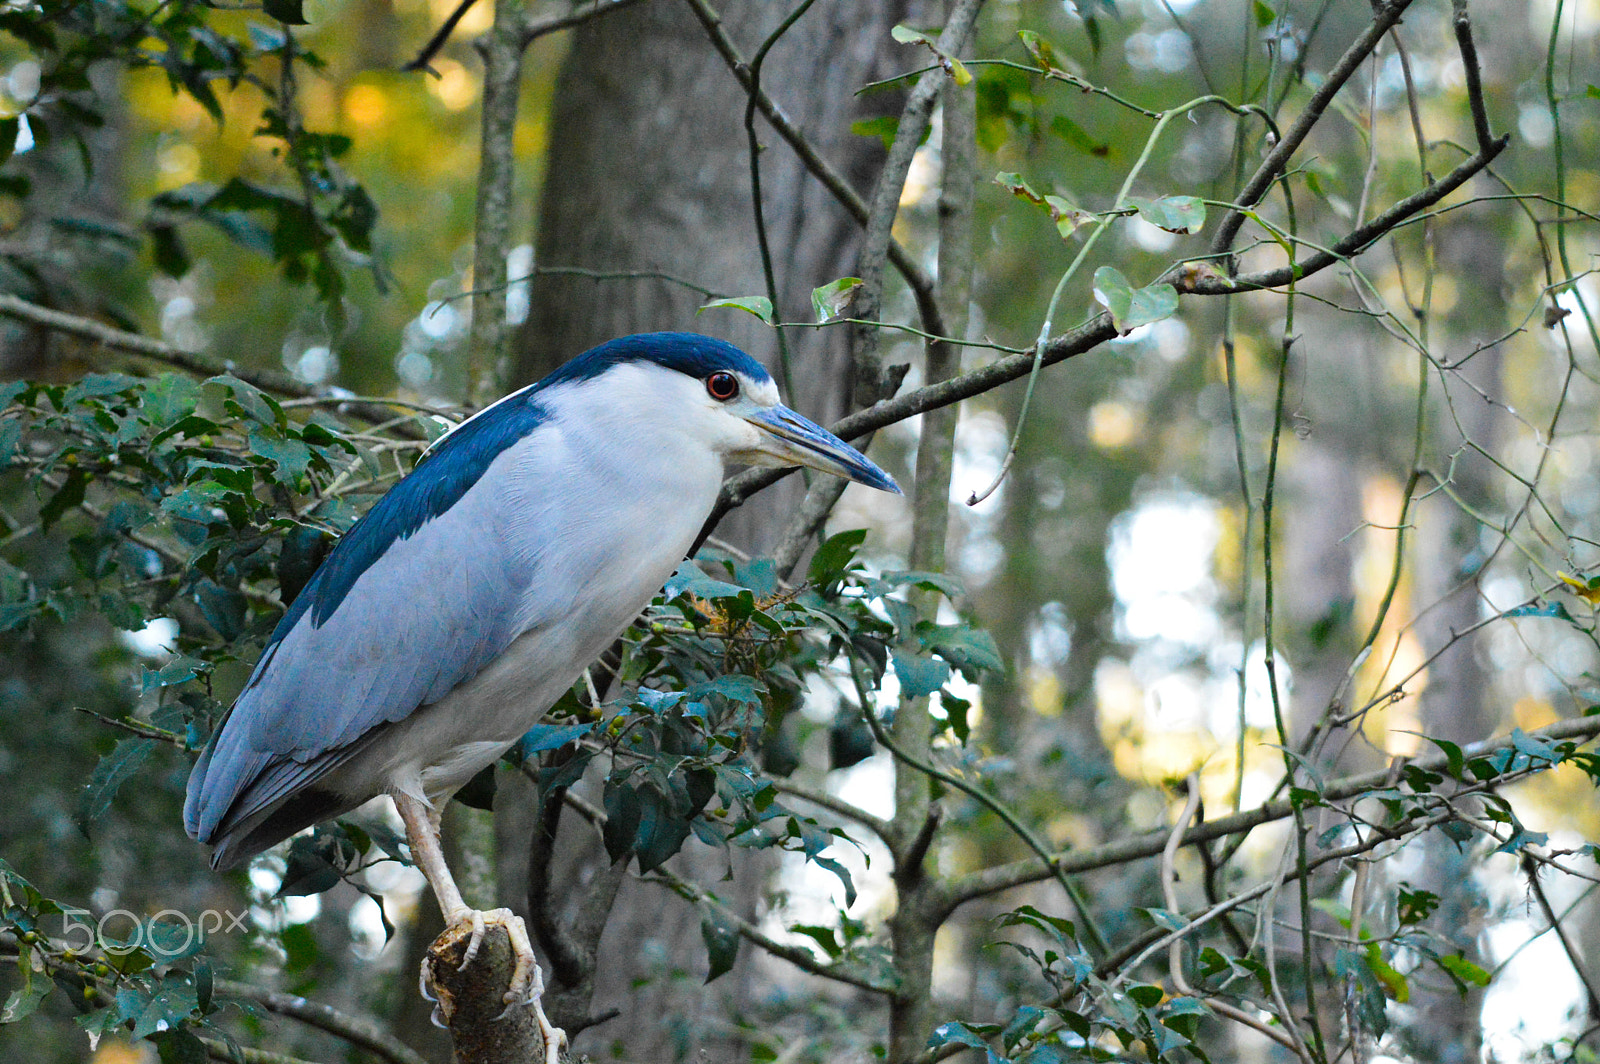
[(424, 616)]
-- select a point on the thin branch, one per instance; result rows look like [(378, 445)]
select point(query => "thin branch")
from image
[(441, 36), (542, 27), (357, 1030), (835, 805), (798, 956), (1385, 15), (230, 1054), (921, 285), (139, 728), (1461, 19), (1003, 877), (1099, 329), (145, 347), (193, 362), (871, 382), (1574, 957)]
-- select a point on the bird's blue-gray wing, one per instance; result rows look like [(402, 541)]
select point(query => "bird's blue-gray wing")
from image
[(418, 597)]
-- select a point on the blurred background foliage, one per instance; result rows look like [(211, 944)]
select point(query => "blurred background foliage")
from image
[(1443, 383)]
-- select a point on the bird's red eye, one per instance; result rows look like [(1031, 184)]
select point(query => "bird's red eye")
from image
[(722, 386)]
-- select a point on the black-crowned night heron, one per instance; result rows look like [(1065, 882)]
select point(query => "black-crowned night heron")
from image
[(477, 590)]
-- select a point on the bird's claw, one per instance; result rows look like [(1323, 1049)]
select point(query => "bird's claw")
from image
[(527, 981), (479, 926)]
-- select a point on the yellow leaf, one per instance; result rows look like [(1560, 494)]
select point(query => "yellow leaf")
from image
[(1589, 592)]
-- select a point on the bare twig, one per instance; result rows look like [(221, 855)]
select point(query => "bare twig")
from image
[(359, 1031), (143, 346), (1385, 15), (916, 277), (798, 956), (1003, 877)]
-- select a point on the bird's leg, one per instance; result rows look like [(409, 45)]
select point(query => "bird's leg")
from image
[(527, 981)]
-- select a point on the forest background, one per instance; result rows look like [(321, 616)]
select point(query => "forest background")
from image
[(1219, 690)]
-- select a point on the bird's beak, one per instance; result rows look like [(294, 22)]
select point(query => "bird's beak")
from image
[(788, 439)]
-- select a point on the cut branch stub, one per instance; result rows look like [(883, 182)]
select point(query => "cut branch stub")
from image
[(471, 1000)]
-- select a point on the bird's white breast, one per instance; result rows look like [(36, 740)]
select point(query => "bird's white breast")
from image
[(628, 496)]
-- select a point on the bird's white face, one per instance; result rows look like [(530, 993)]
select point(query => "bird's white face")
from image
[(742, 420)]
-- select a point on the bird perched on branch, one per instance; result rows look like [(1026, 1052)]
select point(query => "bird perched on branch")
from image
[(452, 615)]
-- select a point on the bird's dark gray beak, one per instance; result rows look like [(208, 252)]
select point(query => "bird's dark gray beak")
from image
[(795, 440)]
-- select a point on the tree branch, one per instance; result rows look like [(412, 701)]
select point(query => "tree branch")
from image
[(359, 1031), (921, 285), (501, 50), (798, 956), (145, 347), (193, 362), (1099, 329), (1149, 844), (834, 804), (1384, 16)]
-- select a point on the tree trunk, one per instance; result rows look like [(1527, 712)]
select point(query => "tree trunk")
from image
[(644, 93)]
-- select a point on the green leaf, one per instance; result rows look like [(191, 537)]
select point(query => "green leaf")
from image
[(1265, 16), (70, 494), (722, 941), (622, 819), (113, 770), (661, 832), (543, 737), (1536, 749), (248, 401), (822, 936), (1132, 307), (9, 128), (829, 301), (1014, 184), (21, 1002), (952, 66), (1079, 138), (884, 127), (760, 306), (181, 669), (1455, 761), (180, 1046), (919, 676), (310, 867), (224, 608), (1165, 918), (735, 687), (1041, 51), (836, 556), (1464, 970), (967, 648), (1593, 92), (1146, 995), (946, 584), (959, 1033), (289, 457), (1175, 214)]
